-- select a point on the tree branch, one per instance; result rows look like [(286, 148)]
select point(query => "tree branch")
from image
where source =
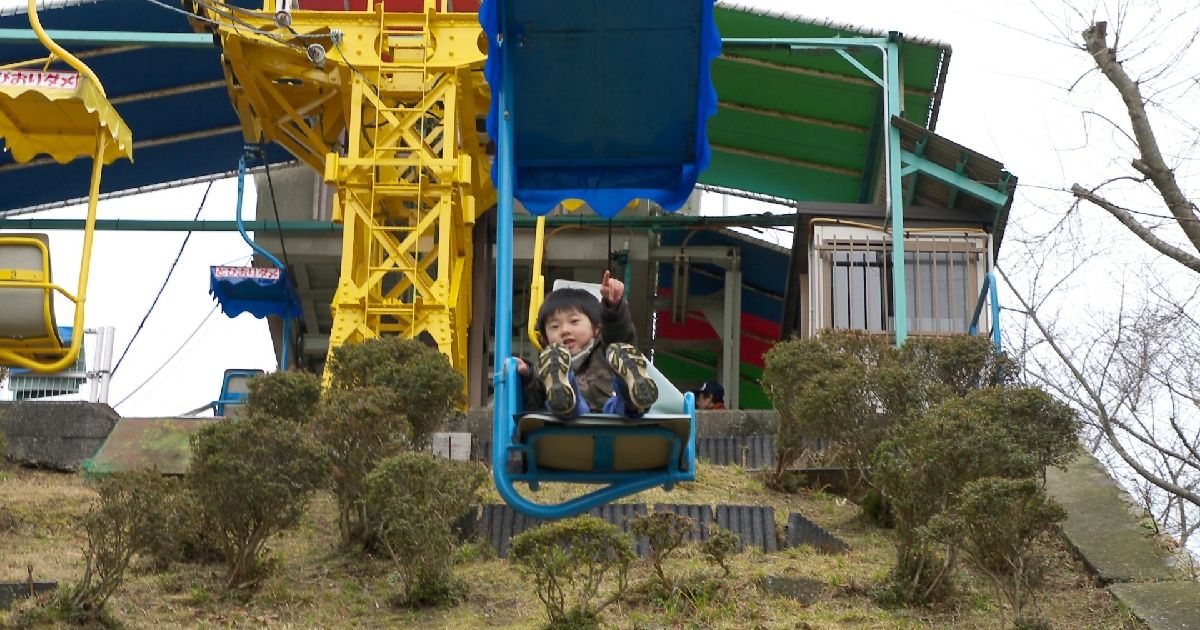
[(1105, 420), (1150, 238), (1151, 162)]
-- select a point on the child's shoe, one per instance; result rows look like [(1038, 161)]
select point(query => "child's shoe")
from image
[(554, 365), (629, 364)]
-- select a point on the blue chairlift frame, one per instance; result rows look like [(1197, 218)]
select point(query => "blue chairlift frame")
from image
[(227, 397), (681, 464), (260, 299)]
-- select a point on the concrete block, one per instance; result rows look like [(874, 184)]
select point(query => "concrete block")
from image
[(754, 524), (801, 531), (1102, 528), (1162, 605), (56, 435)]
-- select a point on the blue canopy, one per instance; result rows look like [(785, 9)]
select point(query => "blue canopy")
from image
[(611, 98), (260, 291)]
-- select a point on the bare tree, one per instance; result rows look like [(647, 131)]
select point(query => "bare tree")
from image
[(1133, 367)]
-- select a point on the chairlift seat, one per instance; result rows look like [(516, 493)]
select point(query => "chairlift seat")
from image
[(605, 448), (235, 386), (65, 115), (27, 319)]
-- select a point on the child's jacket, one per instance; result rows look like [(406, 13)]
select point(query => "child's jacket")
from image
[(593, 374)]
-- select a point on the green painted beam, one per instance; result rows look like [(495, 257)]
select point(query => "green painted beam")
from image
[(110, 38), (950, 178), (894, 107), (801, 43), (142, 225)]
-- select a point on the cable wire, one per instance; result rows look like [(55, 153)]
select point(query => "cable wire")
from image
[(275, 206), (170, 358), (164, 283)]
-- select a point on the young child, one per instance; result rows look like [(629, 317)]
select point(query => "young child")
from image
[(589, 361)]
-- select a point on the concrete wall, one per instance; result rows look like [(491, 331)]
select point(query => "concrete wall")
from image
[(57, 435)]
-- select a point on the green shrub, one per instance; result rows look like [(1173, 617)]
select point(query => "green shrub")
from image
[(994, 523), (291, 395), (122, 523), (569, 561), (929, 460), (842, 386), (427, 387), (957, 365), (253, 476), (357, 430), (665, 532), (417, 498), (185, 536), (721, 545)]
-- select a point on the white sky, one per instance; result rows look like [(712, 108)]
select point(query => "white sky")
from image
[(1005, 97)]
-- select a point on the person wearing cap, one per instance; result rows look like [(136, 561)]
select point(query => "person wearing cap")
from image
[(710, 396)]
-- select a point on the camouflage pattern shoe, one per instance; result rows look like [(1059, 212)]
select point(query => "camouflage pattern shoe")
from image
[(554, 364), (629, 364)]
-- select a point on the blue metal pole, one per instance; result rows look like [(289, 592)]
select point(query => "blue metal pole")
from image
[(895, 200), (242, 226), (501, 402), (286, 342), (995, 313)]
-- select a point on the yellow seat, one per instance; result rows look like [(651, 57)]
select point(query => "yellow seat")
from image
[(66, 115), (27, 319)]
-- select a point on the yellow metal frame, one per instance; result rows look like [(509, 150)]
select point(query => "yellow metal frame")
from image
[(64, 118), (388, 116), (537, 291)]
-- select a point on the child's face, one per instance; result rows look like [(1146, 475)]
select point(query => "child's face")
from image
[(571, 328)]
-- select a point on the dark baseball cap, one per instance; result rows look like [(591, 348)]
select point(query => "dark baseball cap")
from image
[(712, 388)]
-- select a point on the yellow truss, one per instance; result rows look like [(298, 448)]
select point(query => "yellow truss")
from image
[(385, 106)]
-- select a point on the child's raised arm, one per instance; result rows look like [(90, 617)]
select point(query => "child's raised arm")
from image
[(612, 289)]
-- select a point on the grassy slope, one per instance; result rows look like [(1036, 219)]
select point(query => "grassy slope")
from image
[(312, 586)]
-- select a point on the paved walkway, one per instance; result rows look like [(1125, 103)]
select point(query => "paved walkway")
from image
[(1105, 531)]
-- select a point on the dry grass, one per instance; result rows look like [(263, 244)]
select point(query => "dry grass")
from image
[(313, 586)]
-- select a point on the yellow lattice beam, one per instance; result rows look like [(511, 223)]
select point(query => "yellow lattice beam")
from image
[(385, 106)]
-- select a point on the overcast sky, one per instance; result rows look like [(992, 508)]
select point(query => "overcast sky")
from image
[(1006, 97)]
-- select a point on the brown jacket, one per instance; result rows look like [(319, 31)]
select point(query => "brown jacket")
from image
[(594, 376)]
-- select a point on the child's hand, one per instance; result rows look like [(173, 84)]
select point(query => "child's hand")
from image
[(612, 289), (522, 367)]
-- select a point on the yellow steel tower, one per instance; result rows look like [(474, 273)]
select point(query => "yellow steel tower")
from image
[(385, 105)]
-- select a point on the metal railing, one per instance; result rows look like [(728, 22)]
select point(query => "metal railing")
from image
[(851, 281), (988, 294), (93, 368)]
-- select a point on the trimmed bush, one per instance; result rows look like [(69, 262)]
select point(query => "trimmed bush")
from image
[(995, 523), (122, 523), (843, 386), (570, 562), (417, 498), (253, 476), (721, 545), (426, 386), (357, 430), (665, 532), (924, 467), (291, 395), (185, 536)]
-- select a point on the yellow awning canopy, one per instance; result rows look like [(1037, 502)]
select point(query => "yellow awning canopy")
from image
[(57, 114)]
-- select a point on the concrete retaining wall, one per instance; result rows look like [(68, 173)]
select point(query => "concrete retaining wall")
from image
[(57, 435)]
